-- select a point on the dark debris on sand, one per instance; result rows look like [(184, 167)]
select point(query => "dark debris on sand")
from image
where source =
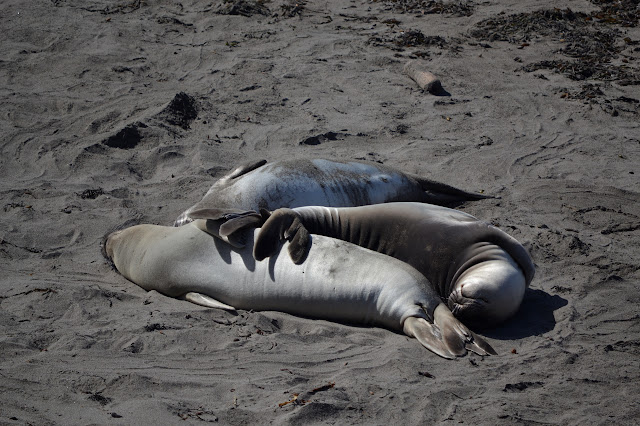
[(292, 8), (425, 7), (521, 386), (588, 69), (248, 8), (243, 8), (590, 41), (91, 194), (127, 138), (181, 111), (625, 13), (594, 95), (413, 38), (522, 27)]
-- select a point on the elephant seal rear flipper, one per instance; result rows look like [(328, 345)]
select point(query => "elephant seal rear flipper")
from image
[(208, 208), (446, 332), (206, 211), (446, 195)]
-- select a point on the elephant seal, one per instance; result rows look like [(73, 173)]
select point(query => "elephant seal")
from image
[(479, 269), (304, 182), (339, 281)]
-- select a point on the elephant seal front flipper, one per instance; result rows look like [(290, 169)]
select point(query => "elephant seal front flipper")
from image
[(206, 301), (282, 224), (245, 168), (235, 238), (212, 208)]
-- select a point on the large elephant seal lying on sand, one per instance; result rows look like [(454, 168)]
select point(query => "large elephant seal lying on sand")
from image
[(479, 269), (303, 182), (339, 281)]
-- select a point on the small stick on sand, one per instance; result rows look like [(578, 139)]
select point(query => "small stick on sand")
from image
[(425, 79)]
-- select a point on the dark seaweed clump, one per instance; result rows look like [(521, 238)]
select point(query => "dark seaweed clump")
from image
[(91, 194), (292, 8), (425, 7), (413, 38), (588, 69), (127, 138), (249, 8), (625, 13), (593, 94), (590, 41), (245, 8), (181, 111), (522, 27)]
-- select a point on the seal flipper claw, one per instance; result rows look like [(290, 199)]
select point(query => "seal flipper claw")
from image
[(207, 301), (428, 335)]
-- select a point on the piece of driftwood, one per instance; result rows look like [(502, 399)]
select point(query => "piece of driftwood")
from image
[(426, 80)]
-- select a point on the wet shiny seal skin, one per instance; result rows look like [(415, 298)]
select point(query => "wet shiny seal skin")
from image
[(318, 182), (338, 281), (480, 270)]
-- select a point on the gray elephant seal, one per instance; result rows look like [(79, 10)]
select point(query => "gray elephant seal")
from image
[(303, 182), (479, 269), (339, 281)]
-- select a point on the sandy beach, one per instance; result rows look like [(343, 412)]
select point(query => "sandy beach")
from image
[(121, 112)]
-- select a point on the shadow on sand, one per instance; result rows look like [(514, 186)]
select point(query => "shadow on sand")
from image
[(534, 317)]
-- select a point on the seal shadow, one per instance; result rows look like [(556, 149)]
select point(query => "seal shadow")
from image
[(272, 264), (224, 251), (534, 317), (440, 91)]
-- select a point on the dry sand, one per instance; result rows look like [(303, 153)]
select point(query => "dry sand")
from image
[(124, 112)]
